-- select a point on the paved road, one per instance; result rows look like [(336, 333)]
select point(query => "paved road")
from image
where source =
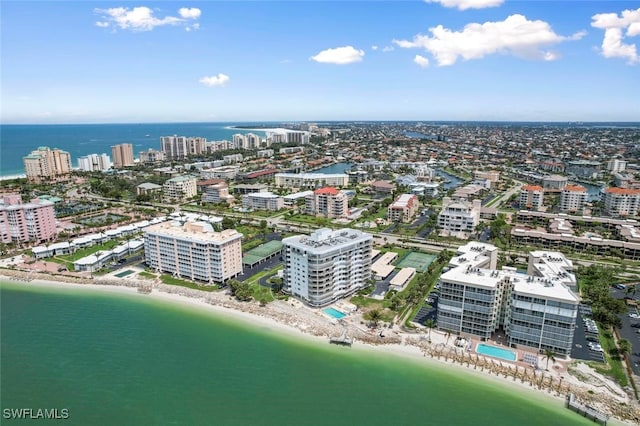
[(628, 332)]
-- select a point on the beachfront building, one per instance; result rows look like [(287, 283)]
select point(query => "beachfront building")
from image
[(531, 197), (327, 202), (122, 155), (310, 180), (327, 265), (459, 216), (180, 147), (46, 165), (403, 209), (247, 141), (621, 201), (28, 222), (262, 201), (536, 310), (193, 251), (573, 198), (151, 156), (94, 163), (180, 189)]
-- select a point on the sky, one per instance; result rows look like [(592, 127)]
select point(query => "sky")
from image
[(216, 61)]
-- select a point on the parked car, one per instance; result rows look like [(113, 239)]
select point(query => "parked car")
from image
[(620, 286), (593, 339), (635, 325)]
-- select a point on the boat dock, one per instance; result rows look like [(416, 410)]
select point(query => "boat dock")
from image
[(343, 340), (586, 411)]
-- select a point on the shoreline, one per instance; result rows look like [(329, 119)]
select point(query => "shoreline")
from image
[(279, 322)]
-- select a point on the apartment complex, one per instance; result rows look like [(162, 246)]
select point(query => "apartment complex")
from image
[(94, 163), (573, 198), (537, 310), (248, 141), (122, 155), (327, 202), (46, 164), (194, 251), (621, 201), (311, 180), (531, 197), (459, 215), (214, 191), (180, 147), (151, 156), (403, 209), (327, 265), (554, 183), (616, 165), (262, 201), (179, 189), (30, 222)]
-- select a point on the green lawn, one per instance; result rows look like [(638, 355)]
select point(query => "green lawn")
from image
[(147, 275), (615, 368), (87, 251), (169, 280)]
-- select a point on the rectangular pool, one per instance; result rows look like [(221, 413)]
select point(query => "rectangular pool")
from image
[(496, 352), (332, 312)]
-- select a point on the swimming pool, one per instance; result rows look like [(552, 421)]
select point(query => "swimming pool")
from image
[(332, 312), (496, 352)]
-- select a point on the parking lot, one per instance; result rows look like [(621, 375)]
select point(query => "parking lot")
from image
[(629, 331), (580, 349)]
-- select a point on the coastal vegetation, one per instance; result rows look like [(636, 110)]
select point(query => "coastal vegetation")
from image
[(170, 280)]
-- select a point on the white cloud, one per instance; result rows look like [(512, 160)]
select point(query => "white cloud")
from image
[(190, 13), (339, 55), (215, 80), (421, 60), (516, 36), (388, 49), (613, 26), (467, 4), (142, 18), (374, 47)]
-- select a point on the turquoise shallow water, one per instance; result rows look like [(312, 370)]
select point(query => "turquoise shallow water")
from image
[(112, 359)]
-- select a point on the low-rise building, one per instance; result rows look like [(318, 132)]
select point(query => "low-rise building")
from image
[(554, 183), (310, 180), (262, 201), (214, 191)]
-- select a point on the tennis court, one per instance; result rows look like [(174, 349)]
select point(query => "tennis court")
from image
[(417, 260), (262, 252)]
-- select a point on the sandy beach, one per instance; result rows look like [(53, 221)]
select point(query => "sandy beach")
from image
[(296, 321)]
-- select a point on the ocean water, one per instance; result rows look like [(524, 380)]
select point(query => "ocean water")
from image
[(17, 141), (133, 360)]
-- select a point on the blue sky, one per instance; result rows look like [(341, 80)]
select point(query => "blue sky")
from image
[(119, 61)]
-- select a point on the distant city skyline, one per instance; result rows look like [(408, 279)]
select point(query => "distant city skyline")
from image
[(434, 60)]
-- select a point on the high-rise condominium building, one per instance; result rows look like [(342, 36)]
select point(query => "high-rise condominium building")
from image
[(194, 251), (180, 188), (30, 222), (459, 215), (180, 147), (46, 164), (122, 155), (327, 265), (536, 310), (621, 201), (327, 202), (94, 163), (531, 197), (573, 198)]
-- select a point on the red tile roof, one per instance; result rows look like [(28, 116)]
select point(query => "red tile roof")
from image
[(329, 190), (532, 188), (575, 188), (622, 191)]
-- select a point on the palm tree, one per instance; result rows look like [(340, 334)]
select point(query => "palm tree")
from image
[(549, 355), (374, 316), (624, 346), (430, 323), (448, 333)]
